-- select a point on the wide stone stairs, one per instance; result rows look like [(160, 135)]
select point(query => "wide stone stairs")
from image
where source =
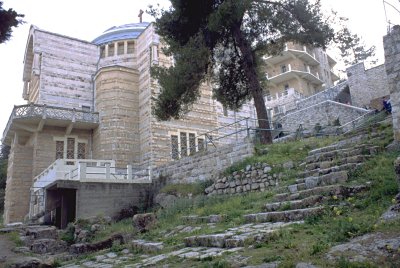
[(325, 177), (326, 172)]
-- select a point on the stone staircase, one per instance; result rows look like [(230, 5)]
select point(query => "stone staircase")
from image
[(325, 177), (326, 170)]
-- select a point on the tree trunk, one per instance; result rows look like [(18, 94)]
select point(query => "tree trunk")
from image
[(255, 87)]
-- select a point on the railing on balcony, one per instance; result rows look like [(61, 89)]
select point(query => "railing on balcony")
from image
[(302, 48), (88, 169), (82, 170), (50, 112), (289, 68)]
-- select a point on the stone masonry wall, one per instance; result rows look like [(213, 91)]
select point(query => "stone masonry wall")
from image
[(366, 85), (19, 182), (328, 94), (256, 177), (205, 165), (117, 101), (392, 62), (66, 68), (44, 146), (95, 199), (323, 113)]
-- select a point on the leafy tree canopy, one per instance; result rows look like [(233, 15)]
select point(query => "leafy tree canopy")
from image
[(225, 40), (352, 48), (8, 19)]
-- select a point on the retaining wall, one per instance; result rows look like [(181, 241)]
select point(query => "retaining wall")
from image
[(324, 113), (205, 165)]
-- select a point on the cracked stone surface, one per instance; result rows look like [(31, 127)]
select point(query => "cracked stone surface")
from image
[(369, 247)]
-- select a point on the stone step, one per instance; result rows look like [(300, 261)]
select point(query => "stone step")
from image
[(294, 204), (354, 141), (362, 149), (322, 171), (238, 236), (311, 182), (284, 216), (323, 164), (337, 190), (146, 246), (203, 219)]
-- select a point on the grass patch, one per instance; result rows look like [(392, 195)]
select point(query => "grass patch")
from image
[(278, 153), (186, 189), (15, 238)]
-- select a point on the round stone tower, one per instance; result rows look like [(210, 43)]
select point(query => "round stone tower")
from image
[(117, 95)]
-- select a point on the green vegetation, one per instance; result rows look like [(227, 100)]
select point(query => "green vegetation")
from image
[(186, 189), (277, 154), (341, 221)]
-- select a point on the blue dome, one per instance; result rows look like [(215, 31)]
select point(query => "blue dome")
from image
[(123, 32)]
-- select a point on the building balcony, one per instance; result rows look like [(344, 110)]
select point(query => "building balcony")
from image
[(290, 73), (294, 51), (331, 61), (334, 76), (74, 171), (26, 119), (290, 94)]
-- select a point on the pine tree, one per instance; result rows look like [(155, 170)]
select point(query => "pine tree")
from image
[(8, 19), (225, 40)]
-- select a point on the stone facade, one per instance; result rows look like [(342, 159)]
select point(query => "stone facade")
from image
[(19, 182), (324, 113), (205, 165), (392, 58), (367, 85), (328, 94)]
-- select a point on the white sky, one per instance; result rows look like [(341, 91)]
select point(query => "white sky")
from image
[(88, 19)]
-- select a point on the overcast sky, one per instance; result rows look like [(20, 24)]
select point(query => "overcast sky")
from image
[(88, 19)]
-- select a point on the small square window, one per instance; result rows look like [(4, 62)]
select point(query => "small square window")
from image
[(102, 51), (131, 47), (121, 47), (111, 50)]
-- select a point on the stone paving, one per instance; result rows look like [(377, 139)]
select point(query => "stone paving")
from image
[(127, 259)]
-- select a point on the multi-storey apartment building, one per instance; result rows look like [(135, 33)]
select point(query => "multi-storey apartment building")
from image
[(298, 71), (88, 119)]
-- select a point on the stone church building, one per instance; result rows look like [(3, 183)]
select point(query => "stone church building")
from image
[(87, 130)]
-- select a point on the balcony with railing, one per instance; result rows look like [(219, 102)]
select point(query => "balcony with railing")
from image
[(82, 170), (294, 50), (89, 170), (33, 117), (289, 73)]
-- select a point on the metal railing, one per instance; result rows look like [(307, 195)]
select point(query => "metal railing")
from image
[(50, 112)]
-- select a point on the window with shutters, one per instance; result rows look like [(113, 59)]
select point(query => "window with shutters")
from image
[(70, 148), (192, 143), (174, 147), (81, 150), (59, 149), (183, 142)]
